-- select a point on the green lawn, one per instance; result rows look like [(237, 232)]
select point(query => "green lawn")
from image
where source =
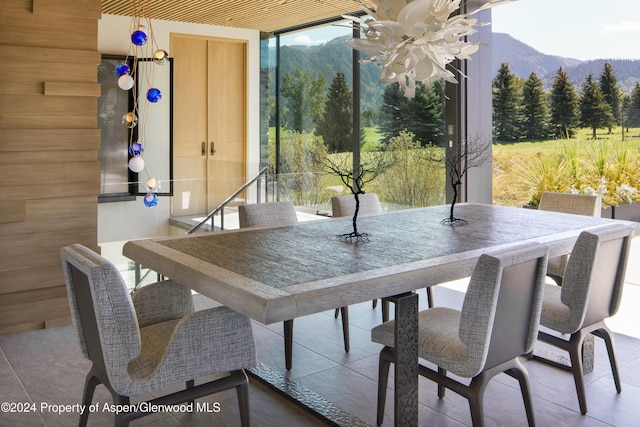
[(632, 138)]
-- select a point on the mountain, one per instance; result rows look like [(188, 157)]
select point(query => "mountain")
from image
[(328, 59), (523, 60)]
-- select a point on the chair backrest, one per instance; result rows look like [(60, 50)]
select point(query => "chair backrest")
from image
[(593, 281), (346, 205), (267, 214), (581, 204), (102, 312), (501, 310)]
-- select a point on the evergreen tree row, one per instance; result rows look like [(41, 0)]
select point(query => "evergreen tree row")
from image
[(523, 109), (309, 107)]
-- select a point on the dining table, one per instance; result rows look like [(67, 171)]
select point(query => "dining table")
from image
[(273, 274)]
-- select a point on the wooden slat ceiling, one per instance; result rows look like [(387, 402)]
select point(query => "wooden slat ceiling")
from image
[(263, 15)]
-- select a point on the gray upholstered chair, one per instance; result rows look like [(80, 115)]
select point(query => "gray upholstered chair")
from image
[(369, 205), (346, 205), (141, 344), (282, 214), (590, 293), (497, 323), (267, 214), (579, 204)]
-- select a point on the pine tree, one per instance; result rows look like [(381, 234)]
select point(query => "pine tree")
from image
[(564, 105), (594, 111), (336, 123), (507, 98), (633, 110), (422, 115), (609, 88), (535, 122)]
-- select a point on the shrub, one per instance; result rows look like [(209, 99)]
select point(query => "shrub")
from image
[(597, 167)]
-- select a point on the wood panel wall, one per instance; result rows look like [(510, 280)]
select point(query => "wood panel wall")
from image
[(49, 141)]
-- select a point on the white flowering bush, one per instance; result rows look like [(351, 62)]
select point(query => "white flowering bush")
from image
[(627, 193)]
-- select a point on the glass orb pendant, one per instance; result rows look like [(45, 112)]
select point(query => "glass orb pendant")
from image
[(130, 120), (154, 95), (139, 36), (150, 200), (135, 149), (136, 164), (160, 57), (121, 69), (153, 184), (125, 82)]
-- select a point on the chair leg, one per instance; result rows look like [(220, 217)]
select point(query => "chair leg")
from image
[(475, 396), (345, 327), (122, 418), (386, 356), (385, 310), (374, 303), (520, 373), (90, 384), (575, 355), (288, 343), (335, 313), (243, 402), (430, 296), (191, 384), (607, 336), (441, 388)]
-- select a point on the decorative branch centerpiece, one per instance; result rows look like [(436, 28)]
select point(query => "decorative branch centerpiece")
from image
[(458, 160), (355, 181), (416, 40)]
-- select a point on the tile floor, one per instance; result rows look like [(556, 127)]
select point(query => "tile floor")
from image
[(45, 368)]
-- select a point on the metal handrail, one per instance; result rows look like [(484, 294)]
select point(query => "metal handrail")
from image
[(220, 208)]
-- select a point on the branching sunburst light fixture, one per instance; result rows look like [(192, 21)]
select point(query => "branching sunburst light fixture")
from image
[(143, 45), (416, 40)]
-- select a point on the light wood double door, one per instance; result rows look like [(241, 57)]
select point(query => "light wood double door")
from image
[(209, 140)]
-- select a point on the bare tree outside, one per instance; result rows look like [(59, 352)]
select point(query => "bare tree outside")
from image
[(341, 165)]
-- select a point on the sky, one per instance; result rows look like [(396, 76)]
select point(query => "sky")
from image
[(580, 29)]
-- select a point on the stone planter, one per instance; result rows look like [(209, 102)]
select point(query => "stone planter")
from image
[(630, 212)]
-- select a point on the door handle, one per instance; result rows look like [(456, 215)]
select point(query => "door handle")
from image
[(204, 148), (213, 148)]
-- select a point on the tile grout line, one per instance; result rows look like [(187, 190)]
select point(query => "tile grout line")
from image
[(15, 374)]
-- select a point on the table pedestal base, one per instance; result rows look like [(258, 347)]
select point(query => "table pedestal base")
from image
[(406, 364)]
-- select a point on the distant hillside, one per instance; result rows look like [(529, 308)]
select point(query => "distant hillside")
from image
[(627, 72), (524, 59), (330, 58)]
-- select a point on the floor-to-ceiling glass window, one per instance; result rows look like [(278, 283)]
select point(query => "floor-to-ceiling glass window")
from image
[(312, 129)]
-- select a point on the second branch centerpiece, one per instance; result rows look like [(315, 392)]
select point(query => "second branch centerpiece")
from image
[(355, 179)]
